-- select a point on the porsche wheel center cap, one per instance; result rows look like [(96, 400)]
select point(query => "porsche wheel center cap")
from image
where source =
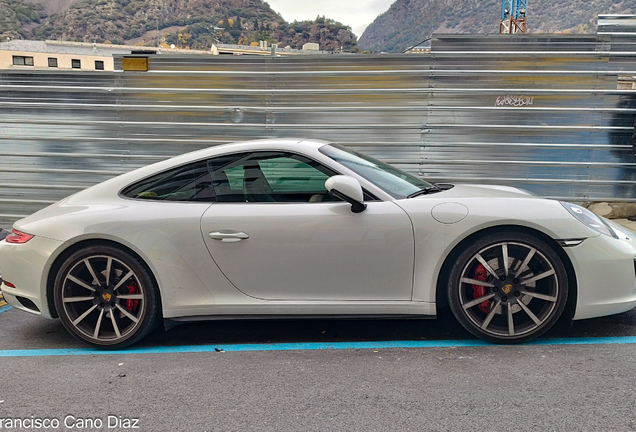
[(107, 296), (506, 289)]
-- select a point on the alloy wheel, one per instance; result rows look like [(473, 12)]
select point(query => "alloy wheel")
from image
[(104, 298), (509, 290)]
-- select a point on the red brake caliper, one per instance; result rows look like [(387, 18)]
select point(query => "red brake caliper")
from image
[(132, 304), (481, 274)]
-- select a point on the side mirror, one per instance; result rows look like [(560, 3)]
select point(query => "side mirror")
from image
[(347, 189)]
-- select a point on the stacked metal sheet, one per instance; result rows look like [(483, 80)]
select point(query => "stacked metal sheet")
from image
[(541, 112)]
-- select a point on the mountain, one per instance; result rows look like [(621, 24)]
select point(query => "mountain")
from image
[(408, 22), (17, 18), (194, 24), (53, 6)]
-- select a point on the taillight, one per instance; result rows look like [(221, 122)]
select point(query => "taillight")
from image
[(18, 237)]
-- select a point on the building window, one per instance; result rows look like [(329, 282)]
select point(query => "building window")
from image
[(76, 64), (99, 65), (22, 61), (52, 62)]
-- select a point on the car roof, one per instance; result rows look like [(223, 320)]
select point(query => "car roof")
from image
[(253, 145)]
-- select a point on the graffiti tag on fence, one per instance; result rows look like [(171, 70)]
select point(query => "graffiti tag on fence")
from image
[(514, 100)]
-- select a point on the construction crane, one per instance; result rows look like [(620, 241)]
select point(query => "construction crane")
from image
[(513, 16)]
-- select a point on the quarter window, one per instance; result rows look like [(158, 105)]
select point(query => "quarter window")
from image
[(188, 183)]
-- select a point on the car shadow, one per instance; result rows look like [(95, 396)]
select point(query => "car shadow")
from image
[(445, 327), (23, 331)]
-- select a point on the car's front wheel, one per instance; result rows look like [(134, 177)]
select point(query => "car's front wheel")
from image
[(508, 287), (106, 297)]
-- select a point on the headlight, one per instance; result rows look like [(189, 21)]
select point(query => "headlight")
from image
[(590, 219)]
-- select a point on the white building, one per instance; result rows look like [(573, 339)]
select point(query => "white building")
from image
[(28, 54)]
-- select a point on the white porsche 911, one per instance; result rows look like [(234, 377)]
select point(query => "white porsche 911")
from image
[(289, 228)]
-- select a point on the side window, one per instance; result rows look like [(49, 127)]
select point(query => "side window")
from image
[(288, 175), (271, 177), (246, 177), (187, 183), (236, 178)]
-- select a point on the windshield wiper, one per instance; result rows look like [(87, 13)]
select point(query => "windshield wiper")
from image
[(427, 190), (434, 187)]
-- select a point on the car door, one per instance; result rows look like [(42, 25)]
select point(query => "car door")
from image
[(277, 234)]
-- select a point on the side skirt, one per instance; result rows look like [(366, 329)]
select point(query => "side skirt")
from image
[(283, 310), (170, 323)]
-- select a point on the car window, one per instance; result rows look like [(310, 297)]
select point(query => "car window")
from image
[(247, 177), (236, 177), (186, 183), (285, 174), (272, 177)]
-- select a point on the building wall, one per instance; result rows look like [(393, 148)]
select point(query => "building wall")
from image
[(40, 60)]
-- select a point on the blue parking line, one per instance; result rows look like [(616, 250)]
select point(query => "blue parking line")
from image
[(5, 308), (311, 346)]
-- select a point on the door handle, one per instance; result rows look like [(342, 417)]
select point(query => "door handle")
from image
[(228, 237)]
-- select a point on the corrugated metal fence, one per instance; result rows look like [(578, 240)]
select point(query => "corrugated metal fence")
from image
[(534, 111)]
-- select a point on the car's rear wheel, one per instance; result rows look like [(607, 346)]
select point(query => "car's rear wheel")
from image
[(508, 287), (106, 297)]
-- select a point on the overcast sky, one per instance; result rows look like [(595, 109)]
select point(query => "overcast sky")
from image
[(355, 13)]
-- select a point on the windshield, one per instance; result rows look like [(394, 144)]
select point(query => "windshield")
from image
[(393, 181)]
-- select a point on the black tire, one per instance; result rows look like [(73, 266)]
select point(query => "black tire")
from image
[(521, 302), (109, 303)]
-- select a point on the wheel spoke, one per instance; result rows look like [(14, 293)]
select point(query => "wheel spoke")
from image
[(504, 253), (478, 301), (511, 324), (525, 274), (84, 315), (490, 316), (525, 261), (532, 316), (124, 279), (115, 326), (80, 283), (472, 282), (131, 297), (538, 277), (130, 317), (486, 265), (540, 296), (109, 264), (77, 299), (91, 271), (99, 323)]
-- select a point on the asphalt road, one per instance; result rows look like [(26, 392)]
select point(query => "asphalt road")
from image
[(556, 387), (580, 379)]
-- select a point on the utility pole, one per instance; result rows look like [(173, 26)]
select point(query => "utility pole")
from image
[(513, 16)]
